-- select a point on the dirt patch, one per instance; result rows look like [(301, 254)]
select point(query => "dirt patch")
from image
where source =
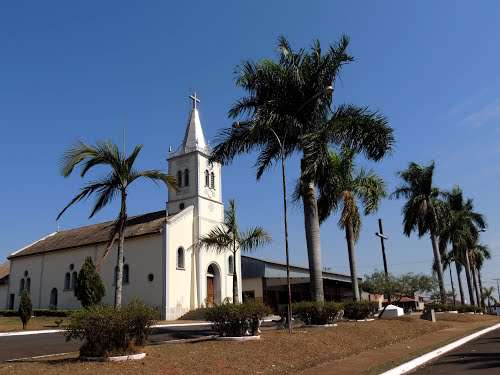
[(277, 352)]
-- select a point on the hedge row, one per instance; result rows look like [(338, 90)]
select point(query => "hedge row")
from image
[(40, 312), (325, 313), (237, 320), (444, 307)]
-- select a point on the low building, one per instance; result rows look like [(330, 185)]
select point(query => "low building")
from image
[(4, 283), (265, 281)]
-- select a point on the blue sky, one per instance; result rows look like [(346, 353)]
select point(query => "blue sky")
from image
[(86, 70)]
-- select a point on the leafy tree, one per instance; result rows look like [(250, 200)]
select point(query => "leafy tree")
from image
[(292, 99), (89, 287), (229, 237), (461, 228), (122, 174), (397, 287), (25, 308), (422, 211), (340, 190)]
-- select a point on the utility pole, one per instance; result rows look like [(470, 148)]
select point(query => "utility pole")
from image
[(380, 234)]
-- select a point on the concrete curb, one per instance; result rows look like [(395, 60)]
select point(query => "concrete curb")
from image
[(419, 361)]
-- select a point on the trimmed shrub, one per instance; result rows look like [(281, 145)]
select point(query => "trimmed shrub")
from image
[(236, 320), (89, 286), (317, 313), (360, 310), (54, 313), (9, 313), (106, 331), (25, 308)]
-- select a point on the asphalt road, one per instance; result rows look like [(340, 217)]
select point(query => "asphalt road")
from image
[(15, 347), (478, 357)]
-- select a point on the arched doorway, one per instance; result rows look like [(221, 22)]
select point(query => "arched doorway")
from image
[(53, 299), (213, 285)]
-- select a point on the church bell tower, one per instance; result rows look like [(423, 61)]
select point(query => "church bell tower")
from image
[(199, 182)]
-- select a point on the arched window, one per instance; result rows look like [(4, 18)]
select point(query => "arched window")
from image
[(179, 179), (186, 177), (126, 274), (212, 180), (28, 284), (74, 280), (67, 281), (21, 286), (230, 264), (181, 206), (207, 179), (180, 258)]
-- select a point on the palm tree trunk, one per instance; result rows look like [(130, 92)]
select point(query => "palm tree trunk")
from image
[(468, 277), (474, 279), (452, 285), (480, 285), (235, 276), (349, 235), (311, 222), (459, 278), (437, 257), (121, 243)]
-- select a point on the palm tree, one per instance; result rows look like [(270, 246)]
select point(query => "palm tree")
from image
[(478, 254), (487, 294), (292, 98), (121, 175), (446, 260), (422, 210), (340, 190), (228, 237), (461, 229)]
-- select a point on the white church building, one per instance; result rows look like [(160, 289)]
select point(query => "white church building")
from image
[(163, 267)]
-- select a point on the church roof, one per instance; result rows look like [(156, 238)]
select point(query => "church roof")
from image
[(4, 272), (139, 225), (194, 139)]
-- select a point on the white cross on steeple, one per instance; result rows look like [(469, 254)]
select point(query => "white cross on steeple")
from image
[(195, 100)]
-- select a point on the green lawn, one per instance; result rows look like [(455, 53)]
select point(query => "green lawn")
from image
[(13, 323)]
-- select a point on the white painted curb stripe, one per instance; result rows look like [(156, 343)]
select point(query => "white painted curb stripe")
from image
[(417, 362), (24, 333)]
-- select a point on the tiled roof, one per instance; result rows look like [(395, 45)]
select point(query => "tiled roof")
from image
[(139, 225)]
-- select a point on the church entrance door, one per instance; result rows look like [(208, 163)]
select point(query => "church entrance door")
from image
[(213, 285), (210, 291)]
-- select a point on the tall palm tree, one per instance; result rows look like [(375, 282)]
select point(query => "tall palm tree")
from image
[(488, 295), (478, 254), (228, 237), (292, 98), (446, 260), (340, 190), (422, 210), (121, 175), (461, 229)]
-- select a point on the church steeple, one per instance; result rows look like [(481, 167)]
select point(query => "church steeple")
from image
[(194, 139)]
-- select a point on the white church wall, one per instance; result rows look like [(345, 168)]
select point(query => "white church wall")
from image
[(18, 267), (4, 290), (143, 256), (47, 271), (179, 281)]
